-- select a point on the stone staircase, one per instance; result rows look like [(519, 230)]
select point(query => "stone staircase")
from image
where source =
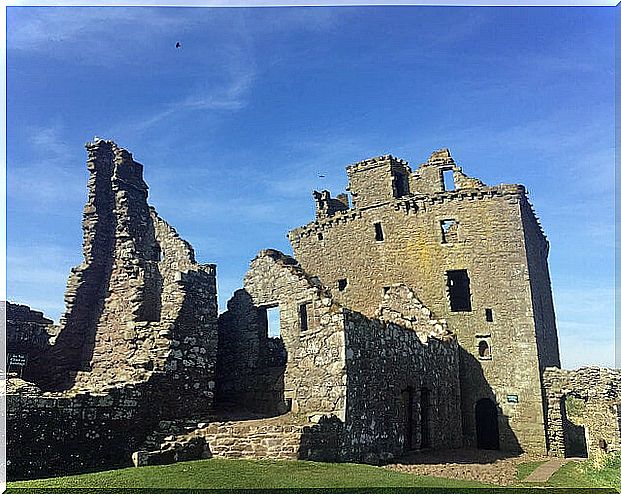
[(187, 439)]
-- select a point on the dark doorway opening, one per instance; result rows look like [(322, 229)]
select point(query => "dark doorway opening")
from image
[(425, 433), (408, 416), (486, 415), (574, 433)]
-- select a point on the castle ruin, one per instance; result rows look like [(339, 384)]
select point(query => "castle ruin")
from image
[(418, 316)]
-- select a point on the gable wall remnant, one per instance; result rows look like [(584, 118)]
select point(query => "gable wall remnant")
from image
[(137, 342), (246, 361)]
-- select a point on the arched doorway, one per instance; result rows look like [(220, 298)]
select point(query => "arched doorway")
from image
[(486, 415)]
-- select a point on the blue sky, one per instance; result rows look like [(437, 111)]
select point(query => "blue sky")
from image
[(234, 127)]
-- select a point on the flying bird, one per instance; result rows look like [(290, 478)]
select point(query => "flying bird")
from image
[(178, 45), (322, 176)]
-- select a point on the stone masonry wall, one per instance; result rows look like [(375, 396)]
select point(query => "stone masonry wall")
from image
[(139, 307), (313, 378), (138, 340), (52, 433), (490, 245), (330, 364), (28, 333), (537, 248), (601, 391), (415, 355)]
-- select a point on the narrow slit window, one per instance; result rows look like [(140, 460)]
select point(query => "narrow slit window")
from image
[(342, 284), (448, 180), (379, 233), (303, 317), (449, 231), (273, 321), (489, 316), (459, 290)]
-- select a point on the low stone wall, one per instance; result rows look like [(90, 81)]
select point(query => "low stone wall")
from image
[(278, 438), (600, 389), (53, 433)]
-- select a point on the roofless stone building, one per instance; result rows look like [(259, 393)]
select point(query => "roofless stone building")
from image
[(420, 316)]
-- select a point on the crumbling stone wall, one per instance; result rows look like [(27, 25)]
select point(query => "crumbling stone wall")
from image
[(28, 333), (332, 357), (492, 245), (139, 307), (54, 433), (311, 369), (600, 389), (140, 329)]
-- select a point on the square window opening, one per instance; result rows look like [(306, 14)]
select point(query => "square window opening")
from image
[(379, 233), (401, 185), (342, 284), (458, 285), (449, 231)]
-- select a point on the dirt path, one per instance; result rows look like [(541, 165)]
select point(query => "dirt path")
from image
[(491, 467), (543, 472)]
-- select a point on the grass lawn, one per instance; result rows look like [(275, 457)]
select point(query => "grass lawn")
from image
[(248, 474), (526, 468), (584, 474), (220, 473)]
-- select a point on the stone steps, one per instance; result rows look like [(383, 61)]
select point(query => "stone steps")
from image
[(270, 438)]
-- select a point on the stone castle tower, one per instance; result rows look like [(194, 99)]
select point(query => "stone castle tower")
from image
[(474, 254)]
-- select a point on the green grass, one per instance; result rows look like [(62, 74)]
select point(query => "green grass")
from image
[(585, 474), (526, 468), (220, 473), (247, 474)]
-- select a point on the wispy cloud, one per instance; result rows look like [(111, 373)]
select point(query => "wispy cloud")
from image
[(46, 177)]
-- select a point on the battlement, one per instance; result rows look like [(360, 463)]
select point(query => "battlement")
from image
[(412, 204), (384, 178), (387, 159)]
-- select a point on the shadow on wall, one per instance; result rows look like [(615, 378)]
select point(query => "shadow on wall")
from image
[(87, 286), (484, 425), (251, 366)]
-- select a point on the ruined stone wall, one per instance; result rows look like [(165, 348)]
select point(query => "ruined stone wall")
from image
[(600, 389), (53, 433), (313, 377), (139, 308), (373, 180), (490, 245), (28, 333), (138, 340)]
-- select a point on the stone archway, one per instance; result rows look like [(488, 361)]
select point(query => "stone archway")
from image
[(486, 416)]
